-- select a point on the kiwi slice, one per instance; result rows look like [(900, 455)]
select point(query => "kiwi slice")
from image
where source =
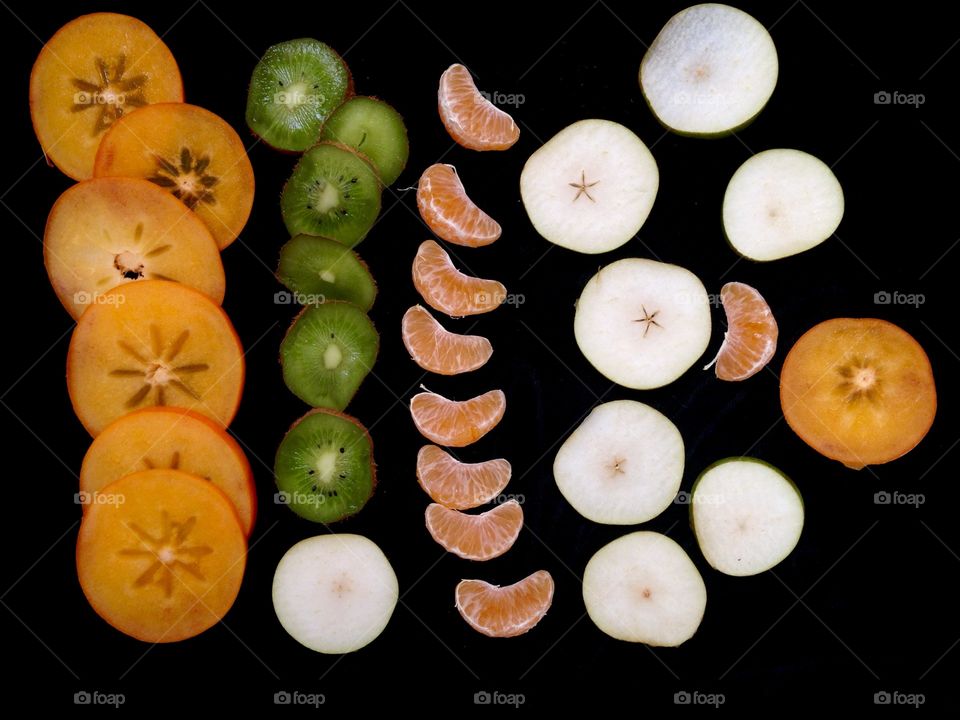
[(374, 128), (327, 352), (318, 269), (294, 88), (333, 192), (324, 466)]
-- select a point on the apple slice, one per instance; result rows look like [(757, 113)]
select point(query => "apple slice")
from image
[(644, 588), (590, 187), (747, 515), (710, 71), (622, 465), (643, 323), (780, 203)]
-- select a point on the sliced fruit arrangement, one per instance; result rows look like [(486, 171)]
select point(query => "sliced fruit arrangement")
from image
[(165, 437), (371, 127), (438, 350), (457, 423), (190, 152), (710, 70), (780, 203), (91, 73), (622, 465), (590, 187), (324, 466), (163, 561), (471, 119), (295, 87), (320, 269), (747, 515), (105, 232), (449, 212), (335, 593), (644, 588), (448, 290), (154, 342), (858, 390), (475, 537), (505, 611), (459, 485), (643, 323), (750, 341)]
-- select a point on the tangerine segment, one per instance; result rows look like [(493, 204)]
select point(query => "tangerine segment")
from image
[(505, 611), (459, 485), (860, 391), (457, 423), (448, 290), (449, 212), (476, 537), (750, 341), (93, 71), (190, 152), (438, 350), (163, 560), (109, 231), (153, 342), (471, 119), (163, 437)]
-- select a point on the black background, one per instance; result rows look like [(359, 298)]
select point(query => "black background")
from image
[(877, 584)]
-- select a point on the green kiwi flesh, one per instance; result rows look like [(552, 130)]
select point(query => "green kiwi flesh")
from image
[(317, 269), (372, 127)]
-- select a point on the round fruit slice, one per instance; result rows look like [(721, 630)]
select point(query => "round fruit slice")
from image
[(324, 466), (710, 71), (750, 341), (622, 465), (438, 350), (162, 437), (153, 342), (459, 485), (335, 593), (161, 557), (317, 269), (327, 352), (747, 515), (505, 611), (333, 192), (590, 187), (190, 152), (105, 232), (780, 203), (92, 72), (644, 588), (457, 423), (860, 391), (471, 119), (448, 290), (294, 88), (476, 537), (643, 323), (373, 128), (449, 212)]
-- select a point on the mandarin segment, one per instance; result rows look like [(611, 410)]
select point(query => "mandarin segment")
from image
[(438, 350), (448, 290), (457, 423), (750, 341), (475, 537), (459, 485), (471, 119), (505, 611), (449, 212)]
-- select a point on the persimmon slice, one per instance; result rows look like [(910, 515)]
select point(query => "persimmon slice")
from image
[(162, 556), (92, 72), (190, 152), (154, 342)]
